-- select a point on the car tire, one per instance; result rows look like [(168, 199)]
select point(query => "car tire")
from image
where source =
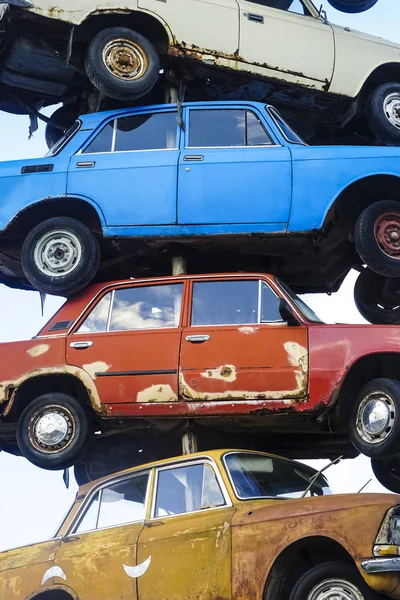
[(352, 6), (377, 237), (67, 272), (387, 473), (61, 120), (382, 112), (336, 575), (374, 425), (117, 80), (377, 298), (53, 450)]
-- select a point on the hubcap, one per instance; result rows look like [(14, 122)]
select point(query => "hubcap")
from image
[(387, 234), (125, 60), (52, 429), (57, 253), (375, 417), (391, 107), (335, 589)]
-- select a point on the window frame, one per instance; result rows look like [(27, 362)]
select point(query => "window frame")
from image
[(74, 525), (114, 119), (196, 461), (274, 141), (259, 298)]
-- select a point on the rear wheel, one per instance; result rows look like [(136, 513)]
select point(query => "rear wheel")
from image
[(383, 113), (352, 6), (387, 473), (378, 298)]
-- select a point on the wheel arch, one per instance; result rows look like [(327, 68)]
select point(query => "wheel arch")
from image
[(384, 73), (296, 559), (57, 592)]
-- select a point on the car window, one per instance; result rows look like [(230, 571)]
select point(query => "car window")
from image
[(285, 129), (146, 132), (103, 140), (145, 307), (187, 489), (117, 504), (296, 6), (233, 303), (226, 128)]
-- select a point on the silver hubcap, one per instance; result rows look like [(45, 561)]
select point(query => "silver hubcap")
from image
[(335, 589), (391, 107), (52, 429), (375, 417), (57, 253)]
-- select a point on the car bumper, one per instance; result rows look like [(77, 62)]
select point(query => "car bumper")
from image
[(381, 565)]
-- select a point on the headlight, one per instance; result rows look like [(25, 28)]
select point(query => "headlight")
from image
[(395, 530), (389, 532)]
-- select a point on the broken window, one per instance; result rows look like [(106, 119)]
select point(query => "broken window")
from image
[(226, 128)]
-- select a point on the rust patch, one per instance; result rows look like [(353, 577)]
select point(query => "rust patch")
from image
[(96, 367), (38, 350), (157, 393), (225, 373), (247, 330)]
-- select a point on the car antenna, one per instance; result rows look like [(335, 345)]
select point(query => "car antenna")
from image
[(318, 473), (364, 486)]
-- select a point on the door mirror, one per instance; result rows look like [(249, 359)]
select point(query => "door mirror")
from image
[(287, 313)]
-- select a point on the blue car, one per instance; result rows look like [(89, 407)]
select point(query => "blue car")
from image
[(228, 185)]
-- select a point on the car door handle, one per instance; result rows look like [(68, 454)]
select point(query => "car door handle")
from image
[(81, 345), (197, 339), (193, 157), (255, 18), (85, 165)]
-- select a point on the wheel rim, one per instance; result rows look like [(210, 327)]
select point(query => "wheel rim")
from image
[(391, 107), (376, 416), (125, 60), (387, 234), (335, 589), (57, 253), (52, 429)]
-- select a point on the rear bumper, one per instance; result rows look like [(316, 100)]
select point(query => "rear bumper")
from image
[(381, 565)]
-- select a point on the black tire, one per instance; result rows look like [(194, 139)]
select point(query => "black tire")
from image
[(345, 574), (62, 119), (376, 233), (380, 397), (387, 473), (77, 247), (122, 86), (382, 116), (77, 437), (352, 6), (377, 298)]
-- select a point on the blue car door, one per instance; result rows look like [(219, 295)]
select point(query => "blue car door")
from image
[(232, 173), (129, 169)]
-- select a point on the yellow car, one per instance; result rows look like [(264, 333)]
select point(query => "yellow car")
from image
[(226, 524)]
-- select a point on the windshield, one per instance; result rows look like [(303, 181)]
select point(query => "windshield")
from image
[(288, 133), (260, 476), (301, 305), (58, 146)]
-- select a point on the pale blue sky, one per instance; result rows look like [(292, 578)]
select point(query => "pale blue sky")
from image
[(35, 500)]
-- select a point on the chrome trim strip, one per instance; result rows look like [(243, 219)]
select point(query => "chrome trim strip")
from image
[(381, 565)]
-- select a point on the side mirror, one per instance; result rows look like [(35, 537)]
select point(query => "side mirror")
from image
[(286, 313)]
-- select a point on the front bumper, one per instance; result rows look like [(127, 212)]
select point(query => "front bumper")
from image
[(381, 565)]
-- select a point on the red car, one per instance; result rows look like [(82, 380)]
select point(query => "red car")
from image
[(233, 354)]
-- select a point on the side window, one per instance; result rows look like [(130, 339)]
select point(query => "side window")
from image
[(117, 504), (295, 6), (233, 303), (97, 319), (226, 128), (103, 140), (147, 132), (187, 489)]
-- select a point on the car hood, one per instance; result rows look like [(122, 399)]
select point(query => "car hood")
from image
[(366, 37)]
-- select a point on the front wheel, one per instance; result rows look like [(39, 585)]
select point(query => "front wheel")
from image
[(332, 580), (383, 113), (53, 431), (60, 256), (377, 298), (122, 64), (387, 473), (352, 6), (374, 427)]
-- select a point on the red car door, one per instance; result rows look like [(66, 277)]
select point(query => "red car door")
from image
[(237, 346), (129, 343)]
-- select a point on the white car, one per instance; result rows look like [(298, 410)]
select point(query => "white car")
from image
[(287, 44)]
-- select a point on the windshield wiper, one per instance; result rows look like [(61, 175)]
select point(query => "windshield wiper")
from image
[(318, 473)]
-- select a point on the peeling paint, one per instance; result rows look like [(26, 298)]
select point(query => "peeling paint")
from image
[(38, 350), (160, 392), (96, 367), (224, 373), (248, 330)]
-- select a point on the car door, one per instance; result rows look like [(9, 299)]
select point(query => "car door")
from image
[(187, 540), (238, 347), (233, 172), (129, 169), (99, 555), (129, 343), (292, 44), (206, 26)]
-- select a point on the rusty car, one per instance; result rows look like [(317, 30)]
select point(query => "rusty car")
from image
[(227, 182), (76, 54), (235, 354), (226, 524)]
